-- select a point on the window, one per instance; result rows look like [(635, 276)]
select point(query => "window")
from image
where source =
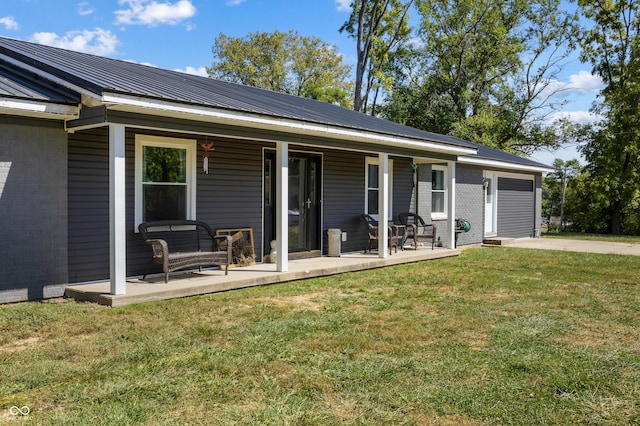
[(372, 190), (438, 192), (165, 178)]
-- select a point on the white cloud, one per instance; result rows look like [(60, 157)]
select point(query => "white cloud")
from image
[(9, 23), (201, 71), (84, 9), (343, 5), (234, 2), (152, 13), (98, 42), (582, 82), (585, 82), (416, 42), (583, 117)]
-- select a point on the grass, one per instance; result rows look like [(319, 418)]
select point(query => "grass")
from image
[(495, 336), (629, 239)]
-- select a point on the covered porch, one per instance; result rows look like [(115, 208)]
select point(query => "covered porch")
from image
[(193, 283)]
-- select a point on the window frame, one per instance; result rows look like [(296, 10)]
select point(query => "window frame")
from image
[(375, 162), (190, 145), (443, 215)]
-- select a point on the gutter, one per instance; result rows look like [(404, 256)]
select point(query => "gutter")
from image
[(504, 165), (38, 109), (129, 103)]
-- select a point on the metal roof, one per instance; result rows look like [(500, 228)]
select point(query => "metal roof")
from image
[(18, 84), (485, 152), (100, 75)]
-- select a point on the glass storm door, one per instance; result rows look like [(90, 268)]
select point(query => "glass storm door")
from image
[(303, 203), (490, 204)]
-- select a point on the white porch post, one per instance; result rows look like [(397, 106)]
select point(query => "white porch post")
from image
[(282, 206), (383, 204), (452, 204), (117, 213)]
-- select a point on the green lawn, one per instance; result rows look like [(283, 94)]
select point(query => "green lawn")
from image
[(495, 336), (630, 239)]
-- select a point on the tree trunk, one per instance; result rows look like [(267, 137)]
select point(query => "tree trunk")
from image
[(362, 46), (616, 218)]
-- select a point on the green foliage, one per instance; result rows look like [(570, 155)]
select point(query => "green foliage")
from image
[(612, 46), (167, 165), (486, 72), (558, 193), (381, 30), (283, 62)]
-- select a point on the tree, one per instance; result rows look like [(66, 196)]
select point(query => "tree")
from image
[(612, 46), (283, 62), (381, 28), (556, 185), (488, 70)]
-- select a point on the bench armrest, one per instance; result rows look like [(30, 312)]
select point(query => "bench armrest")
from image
[(160, 248)]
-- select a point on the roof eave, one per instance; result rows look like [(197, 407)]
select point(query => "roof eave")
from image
[(129, 103), (38, 109), (503, 165), (86, 93)]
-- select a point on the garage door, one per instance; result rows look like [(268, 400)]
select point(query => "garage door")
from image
[(516, 207)]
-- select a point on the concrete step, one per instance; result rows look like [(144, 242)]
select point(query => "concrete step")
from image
[(498, 241)]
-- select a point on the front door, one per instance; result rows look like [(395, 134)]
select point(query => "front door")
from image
[(303, 204)]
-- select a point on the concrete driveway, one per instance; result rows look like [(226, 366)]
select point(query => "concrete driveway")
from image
[(578, 245)]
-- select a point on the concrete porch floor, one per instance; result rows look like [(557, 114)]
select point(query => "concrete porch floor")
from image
[(192, 283)]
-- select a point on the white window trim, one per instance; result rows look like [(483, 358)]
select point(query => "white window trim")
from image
[(442, 215), (190, 145), (374, 161)]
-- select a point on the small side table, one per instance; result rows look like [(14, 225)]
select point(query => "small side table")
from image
[(400, 236)]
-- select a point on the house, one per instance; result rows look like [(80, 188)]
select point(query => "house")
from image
[(90, 147)]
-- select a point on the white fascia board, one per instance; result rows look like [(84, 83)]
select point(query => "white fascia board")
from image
[(38, 109), (502, 165), (245, 119)]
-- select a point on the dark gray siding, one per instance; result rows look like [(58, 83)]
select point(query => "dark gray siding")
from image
[(424, 202), (403, 190), (344, 193), (516, 209), (343, 198), (230, 196), (89, 205), (470, 203), (33, 208)]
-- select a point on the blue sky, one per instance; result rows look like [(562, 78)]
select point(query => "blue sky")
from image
[(178, 34)]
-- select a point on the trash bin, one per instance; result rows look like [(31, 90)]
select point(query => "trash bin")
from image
[(335, 237)]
